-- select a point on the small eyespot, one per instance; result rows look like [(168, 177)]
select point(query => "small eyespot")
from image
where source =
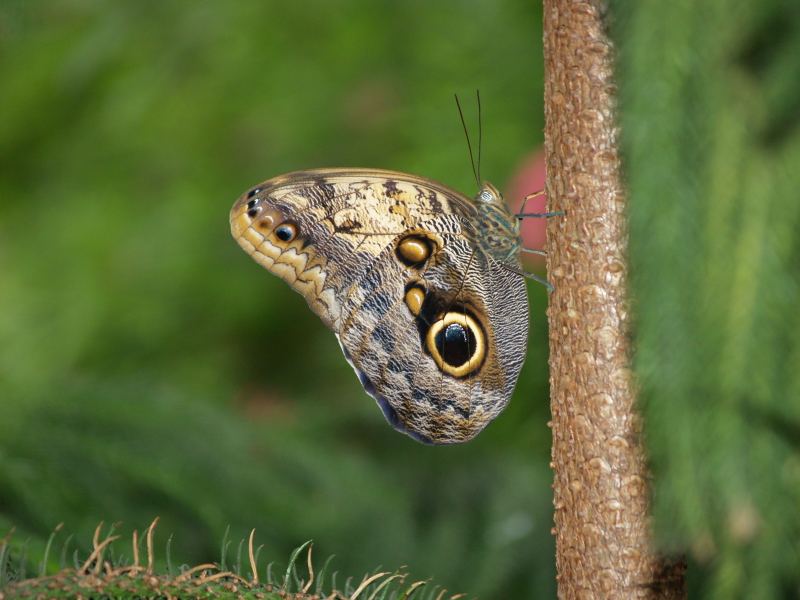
[(252, 213), (414, 298), (265, 222), (286, 232), (252, 193), (252, 203), (414, 250)]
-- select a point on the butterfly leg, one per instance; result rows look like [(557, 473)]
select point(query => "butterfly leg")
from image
[(528, 275), (523, 214), (532, 251), (525, 202), (541, 215)]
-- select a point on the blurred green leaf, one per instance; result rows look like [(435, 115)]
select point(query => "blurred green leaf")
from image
[(148, 367), (709, 96)]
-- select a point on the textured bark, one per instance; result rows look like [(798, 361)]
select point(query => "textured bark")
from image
[(601, 491)]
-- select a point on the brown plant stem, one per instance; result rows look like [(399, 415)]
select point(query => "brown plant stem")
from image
[(601, 489)]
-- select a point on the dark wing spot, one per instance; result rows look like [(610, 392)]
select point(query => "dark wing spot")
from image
[(252, 193), (456, 344), (391, 188), (433, 198), (327, 191), (348, 226), (286, 232)]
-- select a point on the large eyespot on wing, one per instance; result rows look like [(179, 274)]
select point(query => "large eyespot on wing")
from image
[(420, 333), (457, 343)]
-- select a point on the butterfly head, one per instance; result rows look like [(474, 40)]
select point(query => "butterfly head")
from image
[(488, 194), (498, 229)]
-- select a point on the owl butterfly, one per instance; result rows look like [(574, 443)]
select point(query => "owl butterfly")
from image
[(421, 285)]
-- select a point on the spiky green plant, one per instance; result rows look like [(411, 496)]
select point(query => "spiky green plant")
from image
[(102, 575)]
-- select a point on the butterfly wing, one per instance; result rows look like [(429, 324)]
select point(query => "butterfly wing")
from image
[(341, 219), (433, 325), (440, 344)]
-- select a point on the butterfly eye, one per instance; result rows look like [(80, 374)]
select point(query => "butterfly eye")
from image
[(286, 232), (414, 250), (486, 196)]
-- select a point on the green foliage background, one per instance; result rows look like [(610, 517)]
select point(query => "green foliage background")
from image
[(148, 367), (710, 96)]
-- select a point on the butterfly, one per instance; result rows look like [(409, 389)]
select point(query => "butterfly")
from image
[(421, 284)]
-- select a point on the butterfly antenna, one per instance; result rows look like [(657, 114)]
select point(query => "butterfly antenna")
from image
[(480, 136), (469, 145)]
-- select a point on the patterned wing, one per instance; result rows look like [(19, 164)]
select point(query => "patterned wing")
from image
[(321, 229), (438, 343), (433, 325)]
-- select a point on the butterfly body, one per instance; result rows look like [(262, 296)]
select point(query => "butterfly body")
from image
[(410, 275)]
